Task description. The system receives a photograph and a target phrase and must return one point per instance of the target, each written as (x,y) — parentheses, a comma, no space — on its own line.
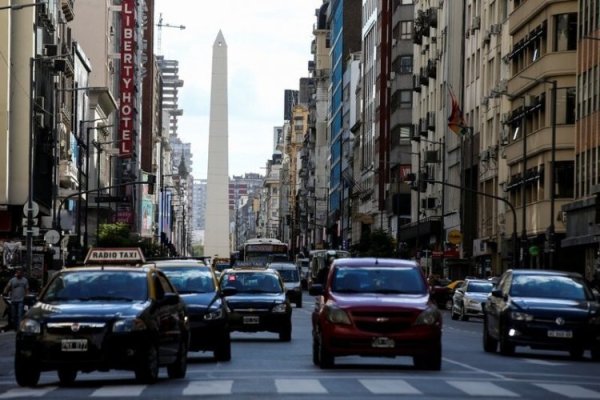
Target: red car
(376,307)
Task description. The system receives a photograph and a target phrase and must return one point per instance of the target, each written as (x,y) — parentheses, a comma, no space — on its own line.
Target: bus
(263,250)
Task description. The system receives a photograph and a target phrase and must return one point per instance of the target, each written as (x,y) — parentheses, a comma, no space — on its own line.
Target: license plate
(383,343)
(251,320)
(74,345)
(560,334)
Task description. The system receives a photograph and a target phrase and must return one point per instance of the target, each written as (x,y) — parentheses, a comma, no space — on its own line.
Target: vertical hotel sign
(126,103)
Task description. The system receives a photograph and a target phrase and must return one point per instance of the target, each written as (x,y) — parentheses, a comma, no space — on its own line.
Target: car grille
(70,327)
(383,322)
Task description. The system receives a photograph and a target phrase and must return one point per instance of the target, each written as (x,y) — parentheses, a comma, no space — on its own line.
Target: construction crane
(160,25)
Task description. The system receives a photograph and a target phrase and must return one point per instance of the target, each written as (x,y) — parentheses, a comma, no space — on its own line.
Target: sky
(268,49)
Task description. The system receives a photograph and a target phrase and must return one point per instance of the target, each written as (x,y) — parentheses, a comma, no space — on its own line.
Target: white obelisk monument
(216,236)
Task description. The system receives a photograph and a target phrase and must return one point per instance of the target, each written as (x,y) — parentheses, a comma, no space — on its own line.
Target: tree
(381,244)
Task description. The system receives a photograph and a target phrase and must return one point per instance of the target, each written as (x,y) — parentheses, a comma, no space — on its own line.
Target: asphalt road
(264,368)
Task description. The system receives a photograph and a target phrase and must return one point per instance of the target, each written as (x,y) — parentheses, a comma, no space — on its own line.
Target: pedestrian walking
(16,289)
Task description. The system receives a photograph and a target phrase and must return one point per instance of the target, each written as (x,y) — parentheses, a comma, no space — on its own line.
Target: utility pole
(160,25)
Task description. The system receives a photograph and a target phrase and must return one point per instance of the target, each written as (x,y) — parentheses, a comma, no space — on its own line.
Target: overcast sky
(268,45)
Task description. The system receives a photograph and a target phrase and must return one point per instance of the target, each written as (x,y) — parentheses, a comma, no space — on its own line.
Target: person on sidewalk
(17,288)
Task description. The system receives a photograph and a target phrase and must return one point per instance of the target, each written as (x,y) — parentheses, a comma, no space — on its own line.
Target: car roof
(112,267)
(178,263)
(374,262)
(477,280)
(283,265)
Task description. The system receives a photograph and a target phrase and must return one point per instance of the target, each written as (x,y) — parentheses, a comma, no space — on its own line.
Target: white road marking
(389,386)
(571,391)
(119,390)
(481,371)
(482,389)
(208,388)
(542,362)
(299,386)
(26,392)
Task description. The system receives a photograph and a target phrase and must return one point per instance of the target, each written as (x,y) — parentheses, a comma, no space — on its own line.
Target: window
(565,32)
(406,64)
(406,99)
(406,30)
(564,178)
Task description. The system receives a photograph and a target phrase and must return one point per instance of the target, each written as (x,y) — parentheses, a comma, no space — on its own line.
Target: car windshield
(550,287)
(97,286)
(479,287)
(390,280)
(190,279)
(289,275)
(252,282)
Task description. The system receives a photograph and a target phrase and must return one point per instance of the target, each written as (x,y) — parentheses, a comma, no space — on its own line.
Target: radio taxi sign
(117,255)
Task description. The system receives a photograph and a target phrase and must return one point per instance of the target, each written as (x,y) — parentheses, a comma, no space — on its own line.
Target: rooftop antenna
(160,25)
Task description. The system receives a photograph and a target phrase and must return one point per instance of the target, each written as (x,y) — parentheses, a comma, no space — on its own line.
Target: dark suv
(376,307)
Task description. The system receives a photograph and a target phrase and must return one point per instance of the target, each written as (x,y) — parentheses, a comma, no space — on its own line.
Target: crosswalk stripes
(570,391)
(198,388)
(305,386)
(480,389)
(389,386)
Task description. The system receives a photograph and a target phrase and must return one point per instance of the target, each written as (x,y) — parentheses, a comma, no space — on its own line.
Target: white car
(468,297)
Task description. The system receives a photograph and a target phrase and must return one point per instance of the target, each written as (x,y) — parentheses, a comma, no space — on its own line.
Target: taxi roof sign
(120,255)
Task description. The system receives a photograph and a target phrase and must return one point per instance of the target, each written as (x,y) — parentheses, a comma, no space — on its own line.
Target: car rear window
(386,280)
(252,282)
(191,280)
(480,287)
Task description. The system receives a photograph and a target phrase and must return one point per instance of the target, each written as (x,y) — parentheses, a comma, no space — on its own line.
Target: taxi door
(168,314)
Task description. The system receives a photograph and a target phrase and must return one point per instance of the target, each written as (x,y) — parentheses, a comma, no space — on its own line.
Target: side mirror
(229,291)
(170,299)
(30,300)
(316,290)
(497,293)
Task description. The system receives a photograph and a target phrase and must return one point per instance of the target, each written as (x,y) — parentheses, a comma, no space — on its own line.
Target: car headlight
(336,315)
(520,316)
(279,308)
(129,325)
(30,326)
(213,314)
(431,316)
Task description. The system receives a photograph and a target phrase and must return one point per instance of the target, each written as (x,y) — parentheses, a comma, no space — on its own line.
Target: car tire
(178,369)
(506,347)
(430,362)
(315,351)
(449,304)
(299,303)
(147,369)
(286,334)
(453,315)
(576,352)
(326,360)
(595,353)
(223,350)
(490,345)
(463,316)
(26,373)
(67,376)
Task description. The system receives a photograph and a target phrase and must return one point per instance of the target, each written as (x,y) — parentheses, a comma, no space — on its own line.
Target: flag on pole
(456,120)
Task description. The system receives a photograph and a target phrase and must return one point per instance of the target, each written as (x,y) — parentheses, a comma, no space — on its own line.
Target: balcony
(68,174)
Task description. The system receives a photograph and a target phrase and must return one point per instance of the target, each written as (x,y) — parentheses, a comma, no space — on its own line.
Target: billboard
(127,84)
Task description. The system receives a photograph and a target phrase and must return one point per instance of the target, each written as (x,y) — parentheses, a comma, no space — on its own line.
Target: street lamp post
(99,149)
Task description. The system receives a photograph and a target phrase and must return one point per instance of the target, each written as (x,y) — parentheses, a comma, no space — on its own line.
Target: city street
(264,368)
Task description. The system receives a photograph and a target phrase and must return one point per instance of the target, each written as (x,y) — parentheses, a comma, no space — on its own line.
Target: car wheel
(178,369)
(453,314)
(576,352)
(326,360)
(449,304)
(299,303)
(223,350)
(490,345)
(67,376)
(596,353)
(506,347)
(431,362)
(463,316)
(286,334)
(26,373)
(147,370)
(315,351)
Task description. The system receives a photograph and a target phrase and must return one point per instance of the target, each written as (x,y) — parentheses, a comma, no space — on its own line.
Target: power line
(160,25)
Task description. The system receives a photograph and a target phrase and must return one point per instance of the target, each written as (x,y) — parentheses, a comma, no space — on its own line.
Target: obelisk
(216,237)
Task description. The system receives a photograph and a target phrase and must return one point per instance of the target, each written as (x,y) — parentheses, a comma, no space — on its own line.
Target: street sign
(35,231)
(52,237)
(35,209)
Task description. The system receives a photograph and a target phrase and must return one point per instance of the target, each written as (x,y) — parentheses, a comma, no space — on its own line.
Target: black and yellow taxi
(107,314)
(258,302)
(208,314)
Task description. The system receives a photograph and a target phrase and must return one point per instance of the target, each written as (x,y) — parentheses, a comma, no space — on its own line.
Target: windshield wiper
(191,291)
(105,298)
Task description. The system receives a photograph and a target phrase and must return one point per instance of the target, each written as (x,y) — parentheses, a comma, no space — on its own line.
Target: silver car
(468,297)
